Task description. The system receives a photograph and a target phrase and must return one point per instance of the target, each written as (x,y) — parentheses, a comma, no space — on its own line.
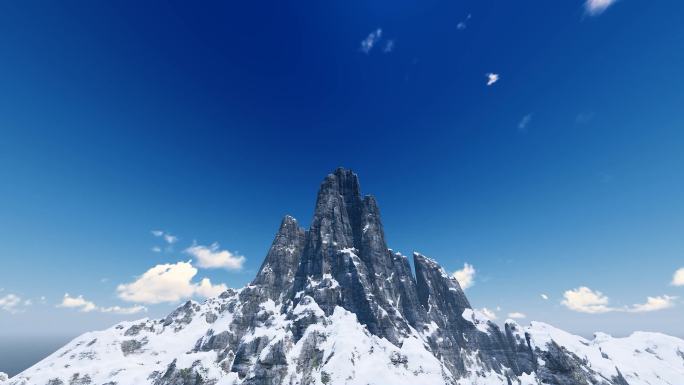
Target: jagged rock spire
(278,269)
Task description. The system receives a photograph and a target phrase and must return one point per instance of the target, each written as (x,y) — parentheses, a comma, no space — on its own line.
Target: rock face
(334,305)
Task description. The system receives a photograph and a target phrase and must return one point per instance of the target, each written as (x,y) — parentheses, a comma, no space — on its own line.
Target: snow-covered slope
(333,305)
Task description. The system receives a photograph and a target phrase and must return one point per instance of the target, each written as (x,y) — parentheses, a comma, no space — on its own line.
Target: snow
(477,318)
(350,353)
(308,306)
(99,354)
(643,358)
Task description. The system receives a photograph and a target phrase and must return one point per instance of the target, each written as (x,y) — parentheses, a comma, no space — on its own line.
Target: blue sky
(211,122)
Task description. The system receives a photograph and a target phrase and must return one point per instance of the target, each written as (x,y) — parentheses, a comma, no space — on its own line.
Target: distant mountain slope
(333,305)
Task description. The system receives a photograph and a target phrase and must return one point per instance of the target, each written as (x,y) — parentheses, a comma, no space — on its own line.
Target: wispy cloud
(524,122)
(584,117)
(11,303)
(123,310)
(465,276)
(597,7)
(586,300)
(516,315)
(678,277)
(463,24)
(371,40)
(492,78)
(544,296)
(167,237)
(488,313)
(81,304)
(389,46)
(211,256)
(168,283)
(653,304)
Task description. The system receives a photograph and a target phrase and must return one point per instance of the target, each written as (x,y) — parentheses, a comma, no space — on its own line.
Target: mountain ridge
(332,304)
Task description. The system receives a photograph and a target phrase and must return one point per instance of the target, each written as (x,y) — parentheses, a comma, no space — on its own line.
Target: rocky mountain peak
(276,273)
(334,305)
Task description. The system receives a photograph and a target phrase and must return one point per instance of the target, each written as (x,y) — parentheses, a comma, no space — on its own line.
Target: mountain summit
(334,305)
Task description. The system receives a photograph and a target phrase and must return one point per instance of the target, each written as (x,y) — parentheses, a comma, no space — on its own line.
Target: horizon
(536,158)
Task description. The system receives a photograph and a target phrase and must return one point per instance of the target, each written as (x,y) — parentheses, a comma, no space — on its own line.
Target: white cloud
(544,296)
(678,278)
(585,300)
(488,313)
(79,303)
(492,78)
(156,249)
(369,42)
(465,276)
(524,122)
(596,7)
(85,306)
(167,283)
(168,238)
(206,289)
(653,304)
(516,315)
(389,46)
(209,257)
(11,303)
(124,310)
(463,24)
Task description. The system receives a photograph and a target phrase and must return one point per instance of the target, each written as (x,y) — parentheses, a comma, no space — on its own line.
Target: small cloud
(209,257)
(157,249)
(488,313)
(544,296)
(11,303)
(371,40)
(79,303)
(524,122)
(207,290)
(389,46)
(167,283)
(124,310)
(465,276)
(585,300)
(678,278)
(584,117)
(464,23)
(168,238)
(516,315)
(85,306)
(597,7)
(492,78)
(653,304)
(104,280)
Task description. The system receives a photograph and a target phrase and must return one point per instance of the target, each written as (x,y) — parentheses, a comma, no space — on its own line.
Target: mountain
(334,305)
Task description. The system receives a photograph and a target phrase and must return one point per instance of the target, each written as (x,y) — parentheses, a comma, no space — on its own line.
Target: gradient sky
(211,122)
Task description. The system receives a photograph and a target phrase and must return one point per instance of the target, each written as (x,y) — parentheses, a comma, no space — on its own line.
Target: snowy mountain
(333,305)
